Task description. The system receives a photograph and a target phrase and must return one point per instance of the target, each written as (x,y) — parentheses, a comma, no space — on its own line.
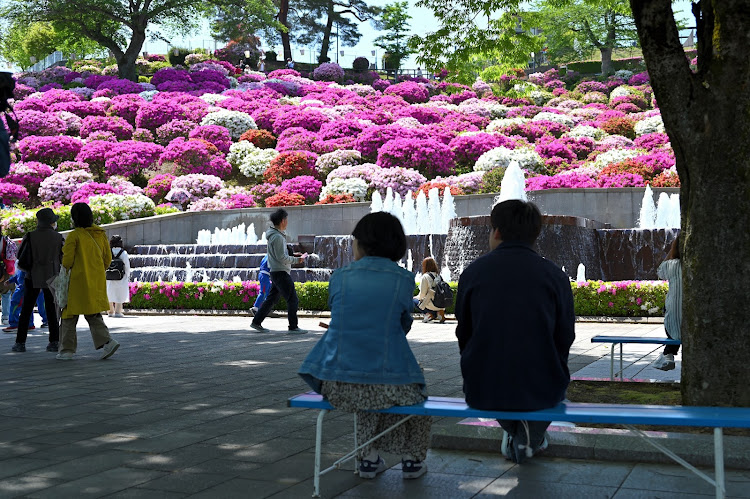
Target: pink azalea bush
(89,190)
(427,156)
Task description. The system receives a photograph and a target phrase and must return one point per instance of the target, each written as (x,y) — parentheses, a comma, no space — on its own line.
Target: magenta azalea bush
(49,150)
(195,156)
(89,190)
(427,156)
(131,158)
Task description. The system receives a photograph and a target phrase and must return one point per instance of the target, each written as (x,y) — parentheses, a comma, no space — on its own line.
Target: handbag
(59,285)
(25,257)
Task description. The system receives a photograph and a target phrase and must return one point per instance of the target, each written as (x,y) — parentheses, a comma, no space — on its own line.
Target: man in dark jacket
(45,247)
(515,326)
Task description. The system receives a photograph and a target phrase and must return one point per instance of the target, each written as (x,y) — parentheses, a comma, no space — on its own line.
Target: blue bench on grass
(619,340)
(621,414)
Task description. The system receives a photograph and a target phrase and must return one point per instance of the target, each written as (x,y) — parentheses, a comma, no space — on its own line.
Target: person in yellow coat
(86,253)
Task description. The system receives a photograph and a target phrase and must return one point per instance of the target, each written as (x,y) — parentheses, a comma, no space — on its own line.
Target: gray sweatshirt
(278,259)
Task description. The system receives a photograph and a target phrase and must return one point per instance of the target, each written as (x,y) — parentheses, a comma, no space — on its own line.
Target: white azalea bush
(342,157)
(124,207)
(587,131)
(251,161)
(236,122)
(354,186)
(554,117)
(499,124)
(527,159)
(649,125)
(615,156)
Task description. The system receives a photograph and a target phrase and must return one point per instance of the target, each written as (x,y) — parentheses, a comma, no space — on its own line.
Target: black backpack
(443,293)
(116,269)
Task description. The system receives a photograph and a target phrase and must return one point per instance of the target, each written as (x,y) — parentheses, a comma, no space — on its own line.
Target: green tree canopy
(20,42)
(118,25)
(575,28)
(394,20)
(494,29)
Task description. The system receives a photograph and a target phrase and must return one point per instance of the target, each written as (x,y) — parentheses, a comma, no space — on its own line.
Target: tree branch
(590,34)
(665,58)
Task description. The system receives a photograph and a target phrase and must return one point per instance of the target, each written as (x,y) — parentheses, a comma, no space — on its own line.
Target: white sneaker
(504,445)
(119,316)
(109,348)
(64,356)
(665,362)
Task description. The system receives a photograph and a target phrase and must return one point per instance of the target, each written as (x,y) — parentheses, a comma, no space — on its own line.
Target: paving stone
(196,406)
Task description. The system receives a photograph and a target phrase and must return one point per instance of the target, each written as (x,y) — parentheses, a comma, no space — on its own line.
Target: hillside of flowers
(203,137)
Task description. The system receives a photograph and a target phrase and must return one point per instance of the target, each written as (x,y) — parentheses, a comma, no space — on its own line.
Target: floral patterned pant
(411,439)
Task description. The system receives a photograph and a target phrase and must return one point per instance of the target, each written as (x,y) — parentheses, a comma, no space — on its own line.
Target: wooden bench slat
(723,417)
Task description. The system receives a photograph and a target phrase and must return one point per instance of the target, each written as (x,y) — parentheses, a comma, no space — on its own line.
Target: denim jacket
(371,304)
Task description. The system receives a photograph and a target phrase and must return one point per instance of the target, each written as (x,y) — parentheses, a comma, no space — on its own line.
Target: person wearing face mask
(42,251)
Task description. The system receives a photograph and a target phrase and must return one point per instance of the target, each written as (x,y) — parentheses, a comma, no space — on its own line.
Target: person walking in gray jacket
(281,266)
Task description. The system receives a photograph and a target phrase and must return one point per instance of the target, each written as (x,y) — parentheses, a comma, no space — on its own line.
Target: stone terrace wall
(618,207)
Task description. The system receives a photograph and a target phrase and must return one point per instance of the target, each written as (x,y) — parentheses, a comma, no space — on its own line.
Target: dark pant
(671,349)
(516,430)
(282,285)
(27,309)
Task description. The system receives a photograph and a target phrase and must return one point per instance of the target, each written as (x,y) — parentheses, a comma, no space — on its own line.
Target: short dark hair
(278,216)
(381,234)
(82,215)
(115,241)
(517,221)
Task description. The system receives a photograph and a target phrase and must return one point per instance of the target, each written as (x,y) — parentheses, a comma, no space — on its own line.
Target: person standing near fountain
(423,301)
(363,361)
(671,270)
(280,264)
(118,279)
(516,323)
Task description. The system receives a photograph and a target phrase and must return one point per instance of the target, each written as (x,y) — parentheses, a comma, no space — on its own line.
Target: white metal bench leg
(621,374)
(356,461)
(719,462)
(318,443)
(612,362)
(717,481)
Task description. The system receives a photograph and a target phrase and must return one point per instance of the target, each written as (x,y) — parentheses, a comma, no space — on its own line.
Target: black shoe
(18,347)
(259,328)
(53,346)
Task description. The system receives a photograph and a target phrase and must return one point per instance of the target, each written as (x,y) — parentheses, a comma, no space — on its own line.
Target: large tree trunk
(284,20)
(326,43)
(126,60)
(707,117)
(606,60)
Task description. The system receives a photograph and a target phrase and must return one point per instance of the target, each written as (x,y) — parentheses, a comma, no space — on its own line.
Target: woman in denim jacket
(363,361)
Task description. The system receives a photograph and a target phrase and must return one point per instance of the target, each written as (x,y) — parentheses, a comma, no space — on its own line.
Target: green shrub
(619,298)
(492,179)
(177,59)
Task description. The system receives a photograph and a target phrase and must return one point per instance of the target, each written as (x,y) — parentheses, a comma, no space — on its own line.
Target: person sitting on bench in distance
(363,360)
(671,270)
(516,323)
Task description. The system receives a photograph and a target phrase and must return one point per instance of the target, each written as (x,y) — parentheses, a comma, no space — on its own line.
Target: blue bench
(622,414)
(619,340)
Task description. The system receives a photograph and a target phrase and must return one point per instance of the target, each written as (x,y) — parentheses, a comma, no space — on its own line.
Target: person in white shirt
(118,290)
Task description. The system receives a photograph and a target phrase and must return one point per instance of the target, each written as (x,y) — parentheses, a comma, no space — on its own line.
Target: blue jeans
(6,305)
(423,310)
(16,303)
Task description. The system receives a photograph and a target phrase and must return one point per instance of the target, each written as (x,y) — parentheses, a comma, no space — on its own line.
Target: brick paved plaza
(196,407)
